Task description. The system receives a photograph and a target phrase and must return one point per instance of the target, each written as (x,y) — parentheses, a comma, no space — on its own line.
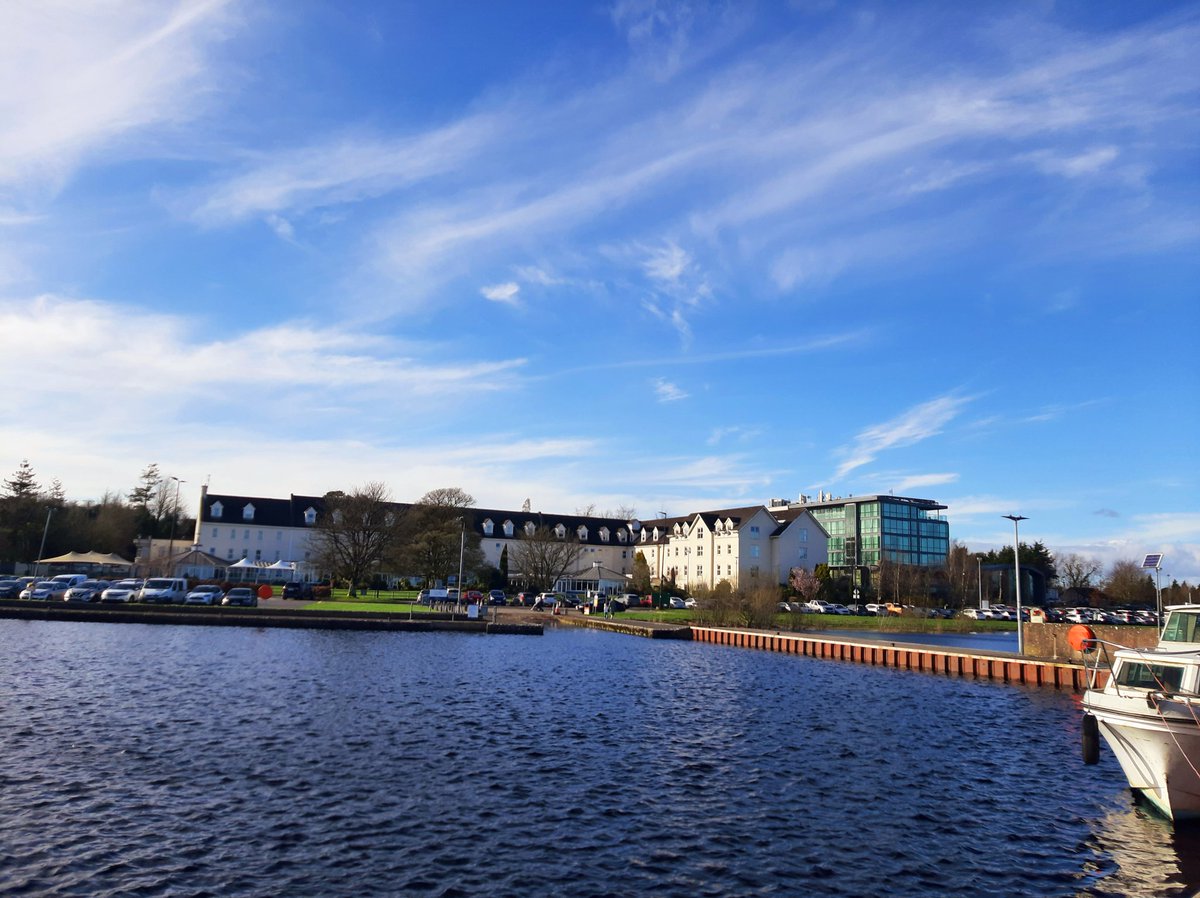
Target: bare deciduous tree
(543,558)
(356,532)
(1077,571)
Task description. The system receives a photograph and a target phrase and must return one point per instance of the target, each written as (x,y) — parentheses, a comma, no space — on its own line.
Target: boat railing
(1104,661)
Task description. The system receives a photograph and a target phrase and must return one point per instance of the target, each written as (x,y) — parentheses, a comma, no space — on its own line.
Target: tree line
(39,521)
(363,533)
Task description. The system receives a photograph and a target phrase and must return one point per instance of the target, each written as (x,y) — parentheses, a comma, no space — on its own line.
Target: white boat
(1148,711)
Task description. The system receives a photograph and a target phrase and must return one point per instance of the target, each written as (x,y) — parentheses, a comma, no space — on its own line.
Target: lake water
(154,760)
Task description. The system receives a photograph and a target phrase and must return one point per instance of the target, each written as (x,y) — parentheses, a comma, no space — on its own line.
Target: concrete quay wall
(223,616)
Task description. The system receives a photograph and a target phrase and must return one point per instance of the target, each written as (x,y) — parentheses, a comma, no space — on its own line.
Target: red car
(472,597)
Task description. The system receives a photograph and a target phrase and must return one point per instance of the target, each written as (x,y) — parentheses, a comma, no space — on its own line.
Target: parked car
(679,603)
(472,597)
(122,591)
(70,579)
(297,591)
(241,595)
(497,597)
(164,590)
(204,594)
(45,591)
(10,588)
(87,591)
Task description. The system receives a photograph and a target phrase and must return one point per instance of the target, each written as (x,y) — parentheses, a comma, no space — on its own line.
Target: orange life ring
(1081,638)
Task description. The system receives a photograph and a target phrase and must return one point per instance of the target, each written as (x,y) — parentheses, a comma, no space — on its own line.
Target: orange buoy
(1081,638)
(265,591)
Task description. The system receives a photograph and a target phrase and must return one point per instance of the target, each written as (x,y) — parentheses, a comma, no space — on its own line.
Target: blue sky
(667,256)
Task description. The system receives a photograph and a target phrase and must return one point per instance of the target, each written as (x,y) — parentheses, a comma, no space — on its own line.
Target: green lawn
(371,605)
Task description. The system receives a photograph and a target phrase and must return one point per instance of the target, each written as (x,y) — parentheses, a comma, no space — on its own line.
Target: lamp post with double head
(1016,518)
(174,518)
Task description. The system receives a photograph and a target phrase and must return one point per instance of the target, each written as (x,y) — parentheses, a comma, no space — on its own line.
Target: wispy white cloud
(912,426)
(667,391)
(924,481)
(156,364)
(345,169)
(76,78)
(503,293)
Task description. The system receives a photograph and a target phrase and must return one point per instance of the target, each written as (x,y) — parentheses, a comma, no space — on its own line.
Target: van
(69,579)
(164,590)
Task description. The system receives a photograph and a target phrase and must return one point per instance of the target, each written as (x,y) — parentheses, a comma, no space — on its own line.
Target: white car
(122,591)
(689,602)
(204,594)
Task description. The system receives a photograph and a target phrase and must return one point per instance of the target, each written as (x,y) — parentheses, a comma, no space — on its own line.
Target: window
(260,536)
(310,515)
(229,554)
(530,528)
(603,534)
(803,553)
(754,530)
(802,534)
(217,509)
(248,512)
(1181,627)
(699,570)
(1160,677)
(582,533)
(700,550)
(508,528)
(754,551)
(560,531)
(487,527)
(621,536)
(216,533)
(246,535)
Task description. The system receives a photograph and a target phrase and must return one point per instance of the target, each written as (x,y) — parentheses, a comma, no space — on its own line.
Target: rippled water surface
(143,760)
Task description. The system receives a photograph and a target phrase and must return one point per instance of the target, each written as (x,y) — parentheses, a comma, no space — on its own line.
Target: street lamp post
(979,578)
(462,547)
(1016,518)
(42,548)
(174,517)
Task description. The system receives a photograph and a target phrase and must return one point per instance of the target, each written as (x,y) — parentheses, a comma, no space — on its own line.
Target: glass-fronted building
(865,530)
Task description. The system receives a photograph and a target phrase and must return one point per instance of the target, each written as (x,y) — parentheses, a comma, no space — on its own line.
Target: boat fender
(1090,738)
(1081,638)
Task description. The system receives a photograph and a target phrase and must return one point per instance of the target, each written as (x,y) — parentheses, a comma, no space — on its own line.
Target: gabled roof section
(267,512)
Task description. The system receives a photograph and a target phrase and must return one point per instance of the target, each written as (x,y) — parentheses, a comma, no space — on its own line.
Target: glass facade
(905,531)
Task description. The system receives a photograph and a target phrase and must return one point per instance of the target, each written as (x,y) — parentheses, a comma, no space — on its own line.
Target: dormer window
(560,531)
(217,509)
(508,528)
(582,533)
(488,527)
(678,529)
(643,536)
(310,515)
(622,536)
(656,534)
(604,534)
(248,512)
(530,528)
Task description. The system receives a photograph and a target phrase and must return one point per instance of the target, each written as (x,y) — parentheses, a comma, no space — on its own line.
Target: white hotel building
(747,545)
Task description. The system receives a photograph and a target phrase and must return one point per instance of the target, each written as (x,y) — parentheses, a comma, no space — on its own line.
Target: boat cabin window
(1160,677)
(1182,627)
